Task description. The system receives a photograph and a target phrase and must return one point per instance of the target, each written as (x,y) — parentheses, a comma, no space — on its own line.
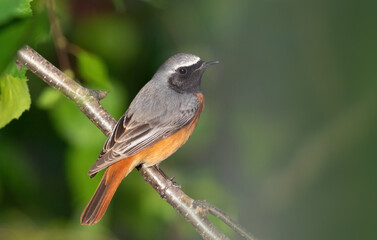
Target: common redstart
(157,123)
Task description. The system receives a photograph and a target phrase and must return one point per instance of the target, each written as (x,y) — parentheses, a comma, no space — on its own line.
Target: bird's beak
(207,64)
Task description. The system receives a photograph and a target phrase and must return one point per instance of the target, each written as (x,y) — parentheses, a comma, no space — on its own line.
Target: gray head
(183,72)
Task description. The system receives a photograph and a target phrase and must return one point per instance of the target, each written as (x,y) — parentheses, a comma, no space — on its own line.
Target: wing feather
(131,136)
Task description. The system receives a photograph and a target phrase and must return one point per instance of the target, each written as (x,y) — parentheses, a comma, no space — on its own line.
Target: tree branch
(210,209)
(88,101)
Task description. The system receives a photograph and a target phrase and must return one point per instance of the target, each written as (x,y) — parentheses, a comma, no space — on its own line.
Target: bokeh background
(286,143)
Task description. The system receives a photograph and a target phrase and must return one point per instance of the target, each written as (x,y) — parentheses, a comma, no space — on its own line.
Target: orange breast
(166,147)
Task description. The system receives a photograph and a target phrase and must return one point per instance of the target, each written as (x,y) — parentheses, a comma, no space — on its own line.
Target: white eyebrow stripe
(191,61)
(186,61)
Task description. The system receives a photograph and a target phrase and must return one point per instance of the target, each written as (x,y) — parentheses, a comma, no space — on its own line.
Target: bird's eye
(182,70)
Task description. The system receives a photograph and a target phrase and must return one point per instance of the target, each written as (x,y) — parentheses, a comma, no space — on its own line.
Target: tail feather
(101,199)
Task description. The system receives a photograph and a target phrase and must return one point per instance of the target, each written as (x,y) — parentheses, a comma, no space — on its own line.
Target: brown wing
(131,136)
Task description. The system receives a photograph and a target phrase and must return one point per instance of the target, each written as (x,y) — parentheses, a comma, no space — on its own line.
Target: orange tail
(113,176)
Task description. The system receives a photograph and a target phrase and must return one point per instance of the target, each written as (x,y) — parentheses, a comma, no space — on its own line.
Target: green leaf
(14,8)
(11,39)
(14,95)
(48,98)
(93,70)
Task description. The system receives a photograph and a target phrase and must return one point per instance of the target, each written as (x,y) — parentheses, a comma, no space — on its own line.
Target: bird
(159,120)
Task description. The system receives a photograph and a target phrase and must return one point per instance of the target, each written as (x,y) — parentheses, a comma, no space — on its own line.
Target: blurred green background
(286,143)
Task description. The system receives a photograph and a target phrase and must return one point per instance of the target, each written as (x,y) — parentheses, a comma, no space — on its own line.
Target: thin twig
(88,102)
(84,98)
(210,209)
(182,203)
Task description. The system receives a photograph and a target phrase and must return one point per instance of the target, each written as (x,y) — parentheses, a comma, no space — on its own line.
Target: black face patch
(187,79)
